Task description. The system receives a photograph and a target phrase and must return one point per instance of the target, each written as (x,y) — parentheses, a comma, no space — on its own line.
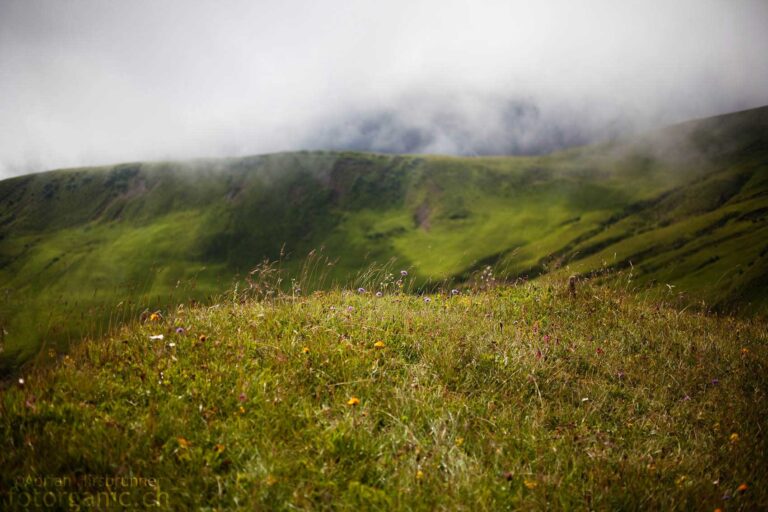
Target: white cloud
(93,81)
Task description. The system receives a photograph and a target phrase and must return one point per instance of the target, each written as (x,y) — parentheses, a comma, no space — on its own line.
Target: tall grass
(508,396)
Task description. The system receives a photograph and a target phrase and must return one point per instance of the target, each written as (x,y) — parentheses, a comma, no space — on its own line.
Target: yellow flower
(530,484)
(379,344)
(459,441)
(218,448)
(353,401)
(742,488)
(744,351)
(242,410)
(154,317)
(734,438)
(305,350)
(419,475)
(183,443)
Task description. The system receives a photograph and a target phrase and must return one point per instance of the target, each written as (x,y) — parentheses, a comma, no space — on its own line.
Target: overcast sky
(86,82)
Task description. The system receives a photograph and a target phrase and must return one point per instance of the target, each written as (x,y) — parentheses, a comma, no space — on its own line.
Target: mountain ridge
(684,206)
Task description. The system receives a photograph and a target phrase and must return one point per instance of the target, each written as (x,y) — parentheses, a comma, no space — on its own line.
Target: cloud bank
(87,82)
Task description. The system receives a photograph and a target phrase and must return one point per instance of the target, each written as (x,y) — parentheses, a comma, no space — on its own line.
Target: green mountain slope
(686,206)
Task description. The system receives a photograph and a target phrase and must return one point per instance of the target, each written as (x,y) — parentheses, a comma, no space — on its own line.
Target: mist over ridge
(89,82)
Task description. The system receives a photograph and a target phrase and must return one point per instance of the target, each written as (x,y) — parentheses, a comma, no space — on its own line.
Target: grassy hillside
(511,398)
(83,249)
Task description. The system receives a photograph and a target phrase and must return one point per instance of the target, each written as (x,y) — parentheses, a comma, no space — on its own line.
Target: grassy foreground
(517,397)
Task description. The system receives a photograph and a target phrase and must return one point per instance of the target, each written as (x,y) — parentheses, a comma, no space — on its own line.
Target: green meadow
(345,331)
(501,397)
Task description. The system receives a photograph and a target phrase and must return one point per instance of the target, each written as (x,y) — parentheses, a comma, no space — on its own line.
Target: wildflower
(353,401)
(379,294)
(202,337)
(530,484)
(218,447)
(154,317)
(379,344)
(156,337)
(21,382)
(744,351)
(459,441)
(305,350)
(403,273)
(180,330)
(427,300)
(546,338)
(171,345)
(332,308)
(242,410)
(350,308)
(714,382)
(242,397)
(419,475)
(183,443)
(599,351)
(361,290)
(686,398)
(742,488)
(734,438)
(455,292)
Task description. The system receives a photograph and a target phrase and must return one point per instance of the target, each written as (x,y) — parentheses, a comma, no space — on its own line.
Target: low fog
(88,82)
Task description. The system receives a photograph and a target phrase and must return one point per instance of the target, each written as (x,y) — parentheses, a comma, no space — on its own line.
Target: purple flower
(179,330)
(403,273)
(350,308)
(361,290)
(379,294)
(455,292)
(427,299)
(715,382)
